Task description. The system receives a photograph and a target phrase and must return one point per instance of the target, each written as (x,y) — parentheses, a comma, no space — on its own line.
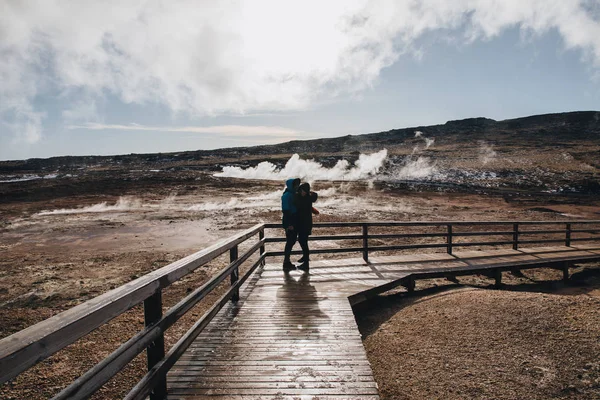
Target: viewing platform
(276,335)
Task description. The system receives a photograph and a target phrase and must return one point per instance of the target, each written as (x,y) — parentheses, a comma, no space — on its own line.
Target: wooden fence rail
(28,347)
(449,237)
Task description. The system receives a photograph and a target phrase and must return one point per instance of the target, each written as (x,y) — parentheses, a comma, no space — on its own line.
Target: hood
(289,184)
(305,186)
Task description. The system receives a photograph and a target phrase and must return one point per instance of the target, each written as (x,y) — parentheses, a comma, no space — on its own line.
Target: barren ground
(533,340)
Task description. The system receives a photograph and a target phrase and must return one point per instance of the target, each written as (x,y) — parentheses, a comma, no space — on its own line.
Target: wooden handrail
(434,223)
(515,235)
(26,348)
(102,372)
(145,386)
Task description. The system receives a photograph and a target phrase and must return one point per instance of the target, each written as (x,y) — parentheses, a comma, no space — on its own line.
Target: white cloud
(199,58)
(224,130)
(81,110)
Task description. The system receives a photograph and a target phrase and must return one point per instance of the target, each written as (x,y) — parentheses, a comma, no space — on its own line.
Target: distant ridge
(552,129)
(571,126)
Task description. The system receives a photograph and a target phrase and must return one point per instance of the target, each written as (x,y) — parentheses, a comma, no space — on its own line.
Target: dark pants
(303,240)
(290,240)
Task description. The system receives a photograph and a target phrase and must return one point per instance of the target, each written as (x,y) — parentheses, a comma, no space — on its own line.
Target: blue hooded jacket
(287,204)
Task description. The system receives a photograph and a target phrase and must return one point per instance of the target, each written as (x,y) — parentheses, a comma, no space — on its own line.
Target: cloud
(81,110)
(240,57)
(224,130)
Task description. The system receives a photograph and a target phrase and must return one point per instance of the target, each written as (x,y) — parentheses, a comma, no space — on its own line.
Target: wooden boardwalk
(293,336)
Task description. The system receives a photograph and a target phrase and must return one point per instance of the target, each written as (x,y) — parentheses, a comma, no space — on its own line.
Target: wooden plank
(202,370)
(322,377)
(277,397)
(146,385)
(290,337)
(288,384)
(227,392)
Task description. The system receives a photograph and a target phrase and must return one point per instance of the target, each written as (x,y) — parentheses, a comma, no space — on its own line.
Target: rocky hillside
(552,153)
(559,130)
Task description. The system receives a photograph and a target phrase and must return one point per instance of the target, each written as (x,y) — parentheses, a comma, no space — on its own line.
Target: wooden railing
(28,347)
(447,234)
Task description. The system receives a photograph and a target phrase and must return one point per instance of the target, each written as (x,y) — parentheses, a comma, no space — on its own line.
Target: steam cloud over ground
(367,166)
(378,166)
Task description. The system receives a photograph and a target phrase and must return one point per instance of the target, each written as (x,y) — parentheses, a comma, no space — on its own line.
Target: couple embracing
(296,204)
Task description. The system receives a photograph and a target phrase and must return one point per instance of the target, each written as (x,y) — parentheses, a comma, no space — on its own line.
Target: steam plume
(123,204)
(420,168)
(486,153)
(367,165)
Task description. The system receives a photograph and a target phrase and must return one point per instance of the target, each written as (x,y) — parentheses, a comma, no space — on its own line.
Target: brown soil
(527,341)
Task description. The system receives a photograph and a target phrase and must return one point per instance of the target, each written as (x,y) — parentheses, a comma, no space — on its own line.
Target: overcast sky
(116,77)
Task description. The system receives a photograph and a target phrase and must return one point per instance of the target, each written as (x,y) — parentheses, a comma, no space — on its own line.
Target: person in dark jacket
(304,204)
(289,210)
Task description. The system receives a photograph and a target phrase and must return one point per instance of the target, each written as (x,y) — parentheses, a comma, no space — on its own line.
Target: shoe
(288,266)
(303,267)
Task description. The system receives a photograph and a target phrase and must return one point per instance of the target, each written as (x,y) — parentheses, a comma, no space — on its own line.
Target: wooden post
(410,285)
(565,270)
(515,236)
(449,239)
(235,274)
(261,236)
(497,278)
(568,236)
(365,235)
(155,352)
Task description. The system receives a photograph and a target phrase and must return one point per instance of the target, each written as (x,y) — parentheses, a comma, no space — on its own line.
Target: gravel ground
(529,341)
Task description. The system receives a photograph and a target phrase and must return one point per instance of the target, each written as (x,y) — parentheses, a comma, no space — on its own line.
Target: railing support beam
(155,352)
(449,239)
(497,278)
(365,238)
(235,274)
(410,284)
(261,236)
(565,270)
(515,236)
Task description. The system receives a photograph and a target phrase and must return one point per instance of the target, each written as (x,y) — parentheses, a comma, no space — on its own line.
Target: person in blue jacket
(304,221)
(289,210)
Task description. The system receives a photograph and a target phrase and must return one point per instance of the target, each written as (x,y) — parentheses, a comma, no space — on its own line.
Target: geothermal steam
(366,167)
(486,152)
(124,204)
